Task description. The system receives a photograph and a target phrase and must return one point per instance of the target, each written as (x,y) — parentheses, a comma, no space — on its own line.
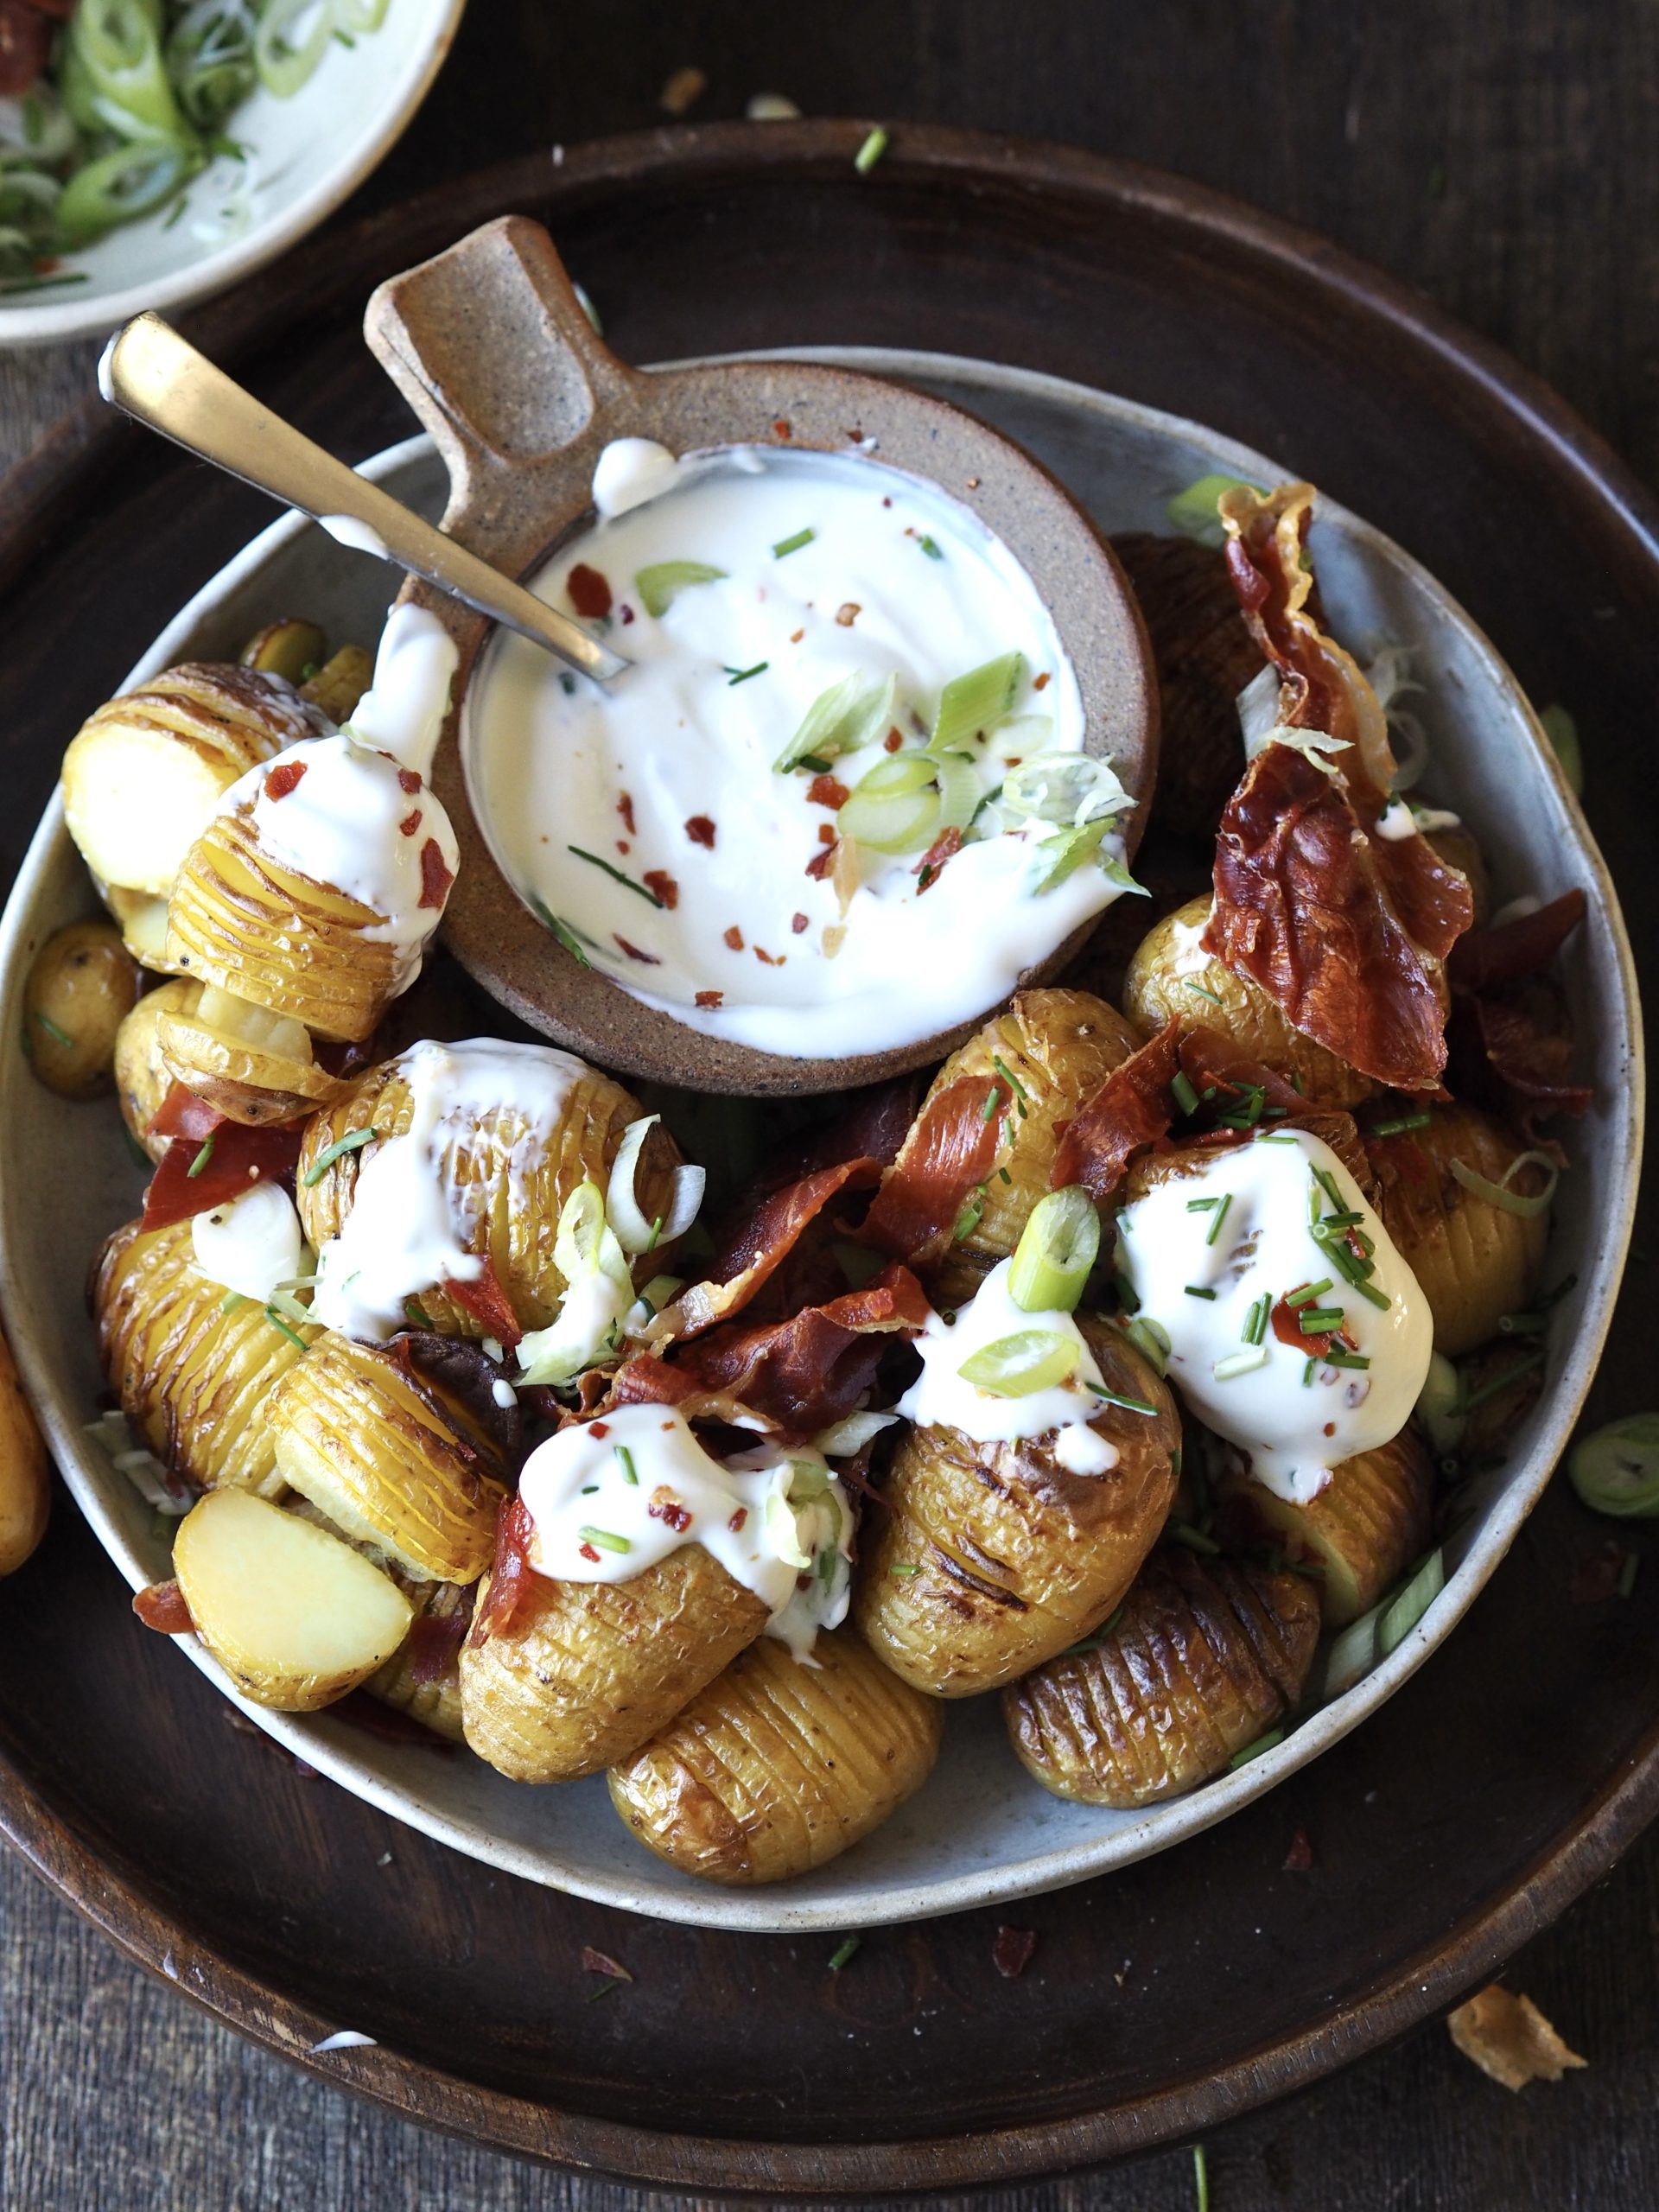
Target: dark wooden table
(1504,156)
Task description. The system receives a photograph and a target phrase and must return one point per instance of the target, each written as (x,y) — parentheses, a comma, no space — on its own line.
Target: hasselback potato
(144,1074)
(780,1764)
(1170,975)
(81,985)
(247,1063)
(990,1558)
(395,1460)
(1204,1657)
(193,1380)
(1474,1260)
(589,1671)
(422,1676)
(1362,1531)
(509,1167)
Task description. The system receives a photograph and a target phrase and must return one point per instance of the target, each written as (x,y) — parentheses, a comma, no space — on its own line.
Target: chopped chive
(843,1951)
(1255,1321)
(1092,1642)
(816,762)
(1116,1398)
(277,1322)
(1181,1089)
(1521,1324)
(930,548)
(1551,1298)
(1628,1572)
(416,1313)
(563,931)
(1368,1290)
(655,1231)
(590,1489)
(42,283)
(1495,1383)
(202,1157)
(607,1988)
(1254,1751)
(638,889)
(1202,1205)
(743,675)
(1220,1216)
(1202,990)
(607,1538)
(58,1036)
(1316,1318)
(1326,1182)
(871,151)
(1007,1073)
(232,1299)
(1275,1136)
(1307,1291)
(325,1159)
(625,1460)
(661,584)
(1194,1539)
(1307,1372)
(968,1220)
(788,545)
(1398,1126)
(1346,1359)
(990,1103)
(1005,1176)
(905,1567)
(1198,1290)
(1200,2177)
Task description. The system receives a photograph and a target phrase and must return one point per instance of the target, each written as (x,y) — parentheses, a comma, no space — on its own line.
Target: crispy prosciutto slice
(951,1148)
(511,1576)
(240,1157)
(759,1248)
(1346,930)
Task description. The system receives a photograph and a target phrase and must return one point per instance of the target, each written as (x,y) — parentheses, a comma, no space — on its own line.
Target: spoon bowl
(493,350)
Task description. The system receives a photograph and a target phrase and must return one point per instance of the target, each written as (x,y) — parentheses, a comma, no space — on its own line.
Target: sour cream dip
(793,620)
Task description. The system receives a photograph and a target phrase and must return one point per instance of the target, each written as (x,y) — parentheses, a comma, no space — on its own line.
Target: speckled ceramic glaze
(492,349)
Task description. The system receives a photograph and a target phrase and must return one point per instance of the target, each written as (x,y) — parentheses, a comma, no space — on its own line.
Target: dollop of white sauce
(940,1397)
(412,1212)
(250,1243)
(611,1498)
(555,762)
(1295,1420)
(360,537)
(403,710)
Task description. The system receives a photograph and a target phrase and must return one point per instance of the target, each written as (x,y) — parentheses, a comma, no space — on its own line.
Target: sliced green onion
(285,65)
(1064,853)
(1616,1470)
(1263,1742)
(120,186)
(1056,1253)
(231,1301)
(617,875)
(1239,1363)
(1499,1193)
(1151,1340)
(843,1951)
(1028,1361)
(871,151)
(973,705)
(1182,1091)
(894,807)
(931,546)
(1352,1655)
(202,1158)
(844,718)
(661,584)
(605,1538)
(114,77)
(785,546)
(1193,511)
(1406,1609)
(959,790)
(1439,1405)
(1563,735)
(325,1159)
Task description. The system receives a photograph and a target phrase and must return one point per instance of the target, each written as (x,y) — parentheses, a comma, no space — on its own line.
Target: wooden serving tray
(1490,1791)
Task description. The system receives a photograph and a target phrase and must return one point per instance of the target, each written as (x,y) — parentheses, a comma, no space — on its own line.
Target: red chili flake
(598,1428)
(795,637)
(1595,1578)
(1040,683)
(436,875)
(711,998)
(659,881)
(826,833)
(828,790)
(409,781)
(283,777)
(798,924)
(1330,1428)
(650,959)
(1287,1327)
(821,862)
(932,864)
(782,429)
(772,959)
(625,808)
(847,612)
(624,847)
(1300,1857)
(733,938)
(588,1553)
(627,615)
(411,824)
(590,592)
(1012,1952)
(738,1519)
(700,830)
(667,1509)
(894,740)
(162,1607)
(887,503)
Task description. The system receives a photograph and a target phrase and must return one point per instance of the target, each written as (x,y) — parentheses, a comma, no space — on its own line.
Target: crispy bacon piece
(590,592)
(482,1296)
(951,1148)
(435,1643)
(932,864)
(436,875)
(1529,1065)
(511,1576)
(1133,1107)
(1521,948)
(284,778)
(161,1606)
(241,1157)
(764,1242)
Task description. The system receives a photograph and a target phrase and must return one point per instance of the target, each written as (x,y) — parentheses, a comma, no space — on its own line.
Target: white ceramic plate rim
(94,313)
(328,1747)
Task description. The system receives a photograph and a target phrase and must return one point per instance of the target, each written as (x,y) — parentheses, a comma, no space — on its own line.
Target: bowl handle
(492,347)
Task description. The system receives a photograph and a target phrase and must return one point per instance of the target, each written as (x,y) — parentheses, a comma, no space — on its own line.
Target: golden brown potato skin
(192,1380)
(81,985)
(244,1072)
(287,648)
(144,1074)
(1169,975)
(433,1699)
(1015,1557)
(25,1472)
(776,1768)
(512,1209)
(390,1458)
(1364,1528)
(1474,1260)
(340,682)
(1205,1655)
(594,1669)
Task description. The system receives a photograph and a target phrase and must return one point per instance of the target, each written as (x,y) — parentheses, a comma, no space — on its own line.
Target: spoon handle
(153,374)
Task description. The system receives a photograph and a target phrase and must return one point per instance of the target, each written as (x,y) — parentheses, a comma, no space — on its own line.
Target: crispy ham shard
(759,1248)
(1347,931)
(511,1575)
(951,1150)
(242,1155)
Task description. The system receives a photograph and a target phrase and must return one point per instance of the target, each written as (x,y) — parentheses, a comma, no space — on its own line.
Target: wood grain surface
(1504,156)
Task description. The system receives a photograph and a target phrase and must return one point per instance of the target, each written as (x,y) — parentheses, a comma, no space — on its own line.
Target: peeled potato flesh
(508,1189)
(1474,1260)
(295,1617)
(594,1669)
(144,775)
(25,1472)
(1170,975)
(393,1462)
(193,1380)
(80,985)
(1205,1656)
(1362,1531)
(989,1557)
(250,1064)
(778,1766)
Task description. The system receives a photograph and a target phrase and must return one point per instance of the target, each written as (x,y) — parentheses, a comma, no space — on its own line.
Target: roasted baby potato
(990,1558)
(144,775)
(25,1472)
(780,1764)
(1171,975)
(393,1460)
(592,1670)
(1474,1260)
(509,1187)
(144,1074)
(1203,1658)
(192,1379)
(291,649)
(81,985)
(295,1617)
(247,1063)
(422,1676)
(1362,1531)
(340,682)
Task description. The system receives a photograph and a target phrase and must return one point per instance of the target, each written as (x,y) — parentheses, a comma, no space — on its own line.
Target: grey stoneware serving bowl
(979,1832)
(492,349)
